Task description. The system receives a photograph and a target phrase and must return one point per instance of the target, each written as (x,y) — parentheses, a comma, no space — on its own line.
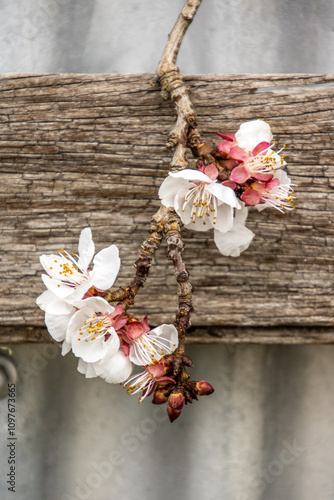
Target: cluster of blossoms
(246,172)
(107,342)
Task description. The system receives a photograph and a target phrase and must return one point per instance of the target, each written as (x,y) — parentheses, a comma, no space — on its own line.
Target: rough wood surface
(79,150)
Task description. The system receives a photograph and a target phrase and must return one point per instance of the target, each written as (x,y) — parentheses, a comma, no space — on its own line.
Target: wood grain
(89,150)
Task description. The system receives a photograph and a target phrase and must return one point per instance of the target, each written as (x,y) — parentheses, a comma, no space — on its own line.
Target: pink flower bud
(173,414)
(176,400)
(203,388)
(159,398)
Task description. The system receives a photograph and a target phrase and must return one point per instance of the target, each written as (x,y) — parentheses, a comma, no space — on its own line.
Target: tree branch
(172,85)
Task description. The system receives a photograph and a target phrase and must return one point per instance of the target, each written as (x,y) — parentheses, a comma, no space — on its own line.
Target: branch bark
(172,85)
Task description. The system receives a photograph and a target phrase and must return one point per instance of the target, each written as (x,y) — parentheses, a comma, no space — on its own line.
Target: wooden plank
(89,150)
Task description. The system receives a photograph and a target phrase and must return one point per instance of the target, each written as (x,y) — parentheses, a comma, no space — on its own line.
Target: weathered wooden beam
(79,150)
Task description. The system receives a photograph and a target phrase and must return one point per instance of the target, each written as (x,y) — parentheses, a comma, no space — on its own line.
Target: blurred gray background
(267,433)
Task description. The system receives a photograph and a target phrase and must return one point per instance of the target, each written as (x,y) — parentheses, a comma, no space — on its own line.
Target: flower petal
(233,242)
(251,133)
(227,137)
(238,153)
(94,350)
(86,248)
(50,303)
(57,325)
(87,369)
(190,175)
(154,345)
(106,267)
(168,190)
(114,368)
(56,286)
(240,174)
(251,196)
(224,194)
(65,348)
(211,171)
(262,146)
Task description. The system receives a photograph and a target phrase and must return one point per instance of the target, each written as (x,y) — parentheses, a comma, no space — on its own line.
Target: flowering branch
(172,85)
(241,171)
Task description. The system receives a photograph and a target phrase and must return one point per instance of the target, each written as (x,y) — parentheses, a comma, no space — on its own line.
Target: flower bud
(176,400)
(172,413)
(159,398)
(203,388)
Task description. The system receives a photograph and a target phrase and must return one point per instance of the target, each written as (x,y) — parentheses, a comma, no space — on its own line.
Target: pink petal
(262,146)
(145,324)
(211,171)
(126,349)
(240,174)
(263,177)
(156,370)
(272,183)
(225,146)
(201,167)
(230,164)
(119,322)
(227,137)
(238,153)
(135,330)
(251,197)
(229,184)
(118,310)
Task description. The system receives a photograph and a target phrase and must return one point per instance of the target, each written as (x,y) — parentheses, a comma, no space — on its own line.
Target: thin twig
(126,295)
(175,247)
(172,85)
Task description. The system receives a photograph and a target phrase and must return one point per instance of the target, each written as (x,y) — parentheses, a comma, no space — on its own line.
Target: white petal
(94,350)
(224,193)
(240,216)
(87,369)
(56,286)
(235,241)
(94,305)
(283,177)
(65,348)
(106,267)
(53,264)
(198,225)
(79,291)
(57,325)
(224,221)
(168,190)
(191,175)
(86,248)
(154,345)
(50,303)
(251,133)
(114,368)
(168,332)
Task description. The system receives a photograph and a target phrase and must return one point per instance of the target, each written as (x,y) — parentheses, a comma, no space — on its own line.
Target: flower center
(141,382)
(150,348)
(265,164)
(280,197)
(204,204)
(71,274)
(94,327)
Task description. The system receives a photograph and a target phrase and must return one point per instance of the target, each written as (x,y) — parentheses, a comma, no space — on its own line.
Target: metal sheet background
(267,432)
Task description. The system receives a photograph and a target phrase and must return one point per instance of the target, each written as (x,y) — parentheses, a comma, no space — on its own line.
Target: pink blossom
(277,193)
(148,380)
